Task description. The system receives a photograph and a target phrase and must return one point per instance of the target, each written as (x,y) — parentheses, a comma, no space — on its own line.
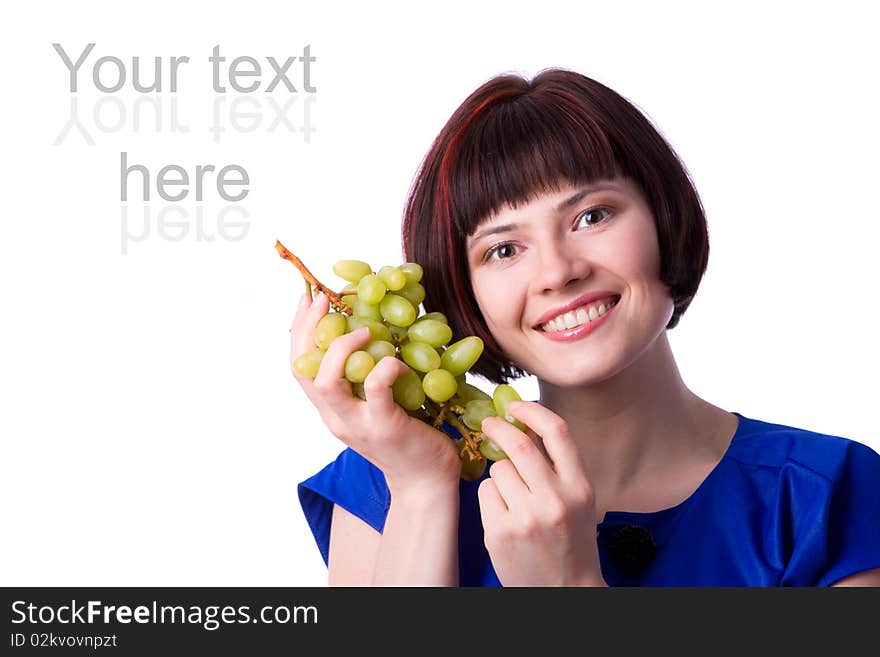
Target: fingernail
(513,405)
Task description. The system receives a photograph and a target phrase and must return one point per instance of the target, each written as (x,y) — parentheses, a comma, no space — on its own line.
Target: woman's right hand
(411,454)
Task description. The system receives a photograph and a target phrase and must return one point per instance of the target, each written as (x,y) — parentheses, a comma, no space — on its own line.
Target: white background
(152,432)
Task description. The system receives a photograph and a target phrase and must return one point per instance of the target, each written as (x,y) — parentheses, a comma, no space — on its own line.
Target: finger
(555,436)
(377,386)
(330,391)
(302,339)
(539,442)
(302,331)
(330,379)
(530,463)
(491,503)
(510,485)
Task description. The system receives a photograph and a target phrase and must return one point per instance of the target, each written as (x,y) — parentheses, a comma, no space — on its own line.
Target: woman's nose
(558,267)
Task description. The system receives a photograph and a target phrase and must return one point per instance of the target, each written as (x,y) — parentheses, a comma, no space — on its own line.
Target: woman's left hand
(539,516)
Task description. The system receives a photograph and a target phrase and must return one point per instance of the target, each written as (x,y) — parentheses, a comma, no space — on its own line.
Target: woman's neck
(646,440)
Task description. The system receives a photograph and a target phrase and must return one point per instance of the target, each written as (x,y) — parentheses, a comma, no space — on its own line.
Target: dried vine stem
(472,440)
(311,281)
(447,413)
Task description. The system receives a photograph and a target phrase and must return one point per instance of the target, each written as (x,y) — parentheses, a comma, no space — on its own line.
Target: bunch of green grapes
(433,389)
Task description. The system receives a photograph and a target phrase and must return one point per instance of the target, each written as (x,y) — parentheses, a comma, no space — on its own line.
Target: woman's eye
(501,251)
(592,217)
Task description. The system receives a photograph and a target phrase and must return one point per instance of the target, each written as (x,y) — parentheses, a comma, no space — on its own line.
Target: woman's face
(541,271)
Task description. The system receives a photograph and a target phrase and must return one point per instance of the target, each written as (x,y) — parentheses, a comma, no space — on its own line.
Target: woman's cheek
(493,308)
(501,294)
(507,299)
(485,285)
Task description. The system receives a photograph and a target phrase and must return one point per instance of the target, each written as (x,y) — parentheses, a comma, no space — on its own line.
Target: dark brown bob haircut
(512,139)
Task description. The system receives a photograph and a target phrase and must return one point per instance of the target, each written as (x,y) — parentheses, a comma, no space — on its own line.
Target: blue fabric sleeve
(353,483)
(838,533)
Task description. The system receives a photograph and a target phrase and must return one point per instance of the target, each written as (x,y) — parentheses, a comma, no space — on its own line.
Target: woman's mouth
(578,322)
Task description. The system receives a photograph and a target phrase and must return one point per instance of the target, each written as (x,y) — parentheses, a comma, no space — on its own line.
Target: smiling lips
(575,324)
(579,316)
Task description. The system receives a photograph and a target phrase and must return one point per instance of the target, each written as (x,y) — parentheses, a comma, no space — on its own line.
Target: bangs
(519,149)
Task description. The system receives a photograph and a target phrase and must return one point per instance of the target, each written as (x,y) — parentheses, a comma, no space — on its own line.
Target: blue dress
(783,507)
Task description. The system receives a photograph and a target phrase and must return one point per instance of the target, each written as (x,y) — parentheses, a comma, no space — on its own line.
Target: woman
(553,221)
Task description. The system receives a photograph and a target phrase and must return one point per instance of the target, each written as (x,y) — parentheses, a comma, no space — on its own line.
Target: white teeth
(577,317)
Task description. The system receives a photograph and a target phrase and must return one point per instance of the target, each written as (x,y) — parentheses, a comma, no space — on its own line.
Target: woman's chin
(567,378)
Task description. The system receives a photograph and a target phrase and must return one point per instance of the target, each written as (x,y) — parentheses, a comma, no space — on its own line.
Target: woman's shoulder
(350,475)
(766,444)
(819,493)
(351,482)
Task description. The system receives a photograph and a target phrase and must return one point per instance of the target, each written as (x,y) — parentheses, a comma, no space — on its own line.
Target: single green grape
(308,363)
(351,270)
(412,292)
(461,356)
(378,349)
(468,392)
(476,411)
(371,289)
(358,365)
(430,331)
(329,327)
(491,451)
(393,277)
(378,331)
(420,356)
(397,310)
(439,385)
(407,391)
(363,309)
(413,271)
(501,397)
(440,317)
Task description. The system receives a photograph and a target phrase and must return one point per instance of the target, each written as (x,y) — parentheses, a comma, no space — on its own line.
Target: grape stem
(437,412)
(448,413)
(311,281)
(455,408)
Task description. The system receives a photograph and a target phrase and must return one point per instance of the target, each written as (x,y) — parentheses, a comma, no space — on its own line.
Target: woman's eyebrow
(564,205)
(491,230)
(586,191)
